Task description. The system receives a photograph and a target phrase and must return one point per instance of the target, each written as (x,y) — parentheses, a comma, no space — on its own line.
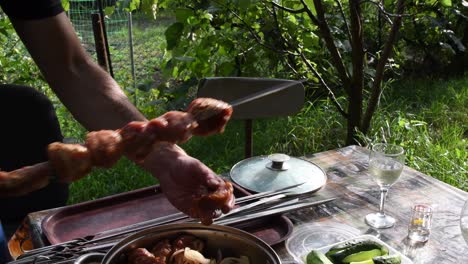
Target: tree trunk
(356,89)
(354,114)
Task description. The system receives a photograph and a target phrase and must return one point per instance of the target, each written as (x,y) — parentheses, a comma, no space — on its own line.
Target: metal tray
(140,205)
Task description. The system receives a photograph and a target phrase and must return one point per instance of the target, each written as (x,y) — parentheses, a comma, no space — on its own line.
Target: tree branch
(289,10)
(331,94)
(376,86)
(324,28)
(343,16)
(382,9)
(285,43)
(257,38)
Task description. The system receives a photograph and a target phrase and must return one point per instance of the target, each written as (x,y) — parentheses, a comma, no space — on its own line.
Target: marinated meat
(189,241)
(70,161)
(173,126)
(211,200)
(212,115)
(105,147)
(184,249)
(136,143)
(142,256)
(163,250)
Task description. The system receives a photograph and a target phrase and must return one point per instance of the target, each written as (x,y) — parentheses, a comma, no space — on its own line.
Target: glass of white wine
(386,162)
(464,221)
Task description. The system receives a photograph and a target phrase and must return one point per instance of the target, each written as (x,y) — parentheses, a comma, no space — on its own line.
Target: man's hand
(185,179)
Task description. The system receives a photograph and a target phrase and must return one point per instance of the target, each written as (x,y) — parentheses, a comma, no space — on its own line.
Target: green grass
(430,118)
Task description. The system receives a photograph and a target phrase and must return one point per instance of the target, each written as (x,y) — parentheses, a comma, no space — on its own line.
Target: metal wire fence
(80,12)
(135,55)
(117,30)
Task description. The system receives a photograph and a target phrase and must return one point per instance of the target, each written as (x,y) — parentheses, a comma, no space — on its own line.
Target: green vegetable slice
(362,256)
(317,257)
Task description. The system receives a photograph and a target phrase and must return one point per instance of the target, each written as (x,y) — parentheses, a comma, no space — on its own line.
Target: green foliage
(434,38)
(149,7)
(66,4)
(173,35)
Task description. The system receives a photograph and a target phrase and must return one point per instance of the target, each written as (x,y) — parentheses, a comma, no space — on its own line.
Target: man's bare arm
(90,94)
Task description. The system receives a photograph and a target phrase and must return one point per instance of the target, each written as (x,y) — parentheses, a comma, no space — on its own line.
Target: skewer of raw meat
(204,116)
(104,148)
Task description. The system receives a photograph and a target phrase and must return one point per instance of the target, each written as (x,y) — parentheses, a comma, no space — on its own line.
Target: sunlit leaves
(109,10)
(310,4)
(446,3)
(149,7)
(66,4)
(310,40)
(128,5)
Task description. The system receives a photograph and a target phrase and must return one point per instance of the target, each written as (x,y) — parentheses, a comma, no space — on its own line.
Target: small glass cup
(419,227)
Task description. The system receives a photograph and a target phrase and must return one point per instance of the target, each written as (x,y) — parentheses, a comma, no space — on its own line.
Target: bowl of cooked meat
(188,244)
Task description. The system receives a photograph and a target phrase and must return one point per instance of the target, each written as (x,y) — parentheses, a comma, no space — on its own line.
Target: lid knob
(278,162)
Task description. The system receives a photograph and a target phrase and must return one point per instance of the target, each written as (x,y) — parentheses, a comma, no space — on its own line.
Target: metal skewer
(269,91)
(277,210)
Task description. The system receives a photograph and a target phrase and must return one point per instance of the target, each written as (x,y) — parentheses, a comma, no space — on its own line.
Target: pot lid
(277,171)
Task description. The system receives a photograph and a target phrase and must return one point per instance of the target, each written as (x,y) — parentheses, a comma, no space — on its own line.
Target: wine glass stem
(383,195)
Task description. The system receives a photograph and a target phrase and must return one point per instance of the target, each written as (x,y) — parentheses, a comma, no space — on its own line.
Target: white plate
(404,259)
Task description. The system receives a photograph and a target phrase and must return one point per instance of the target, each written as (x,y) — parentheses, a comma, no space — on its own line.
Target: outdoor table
(346,169)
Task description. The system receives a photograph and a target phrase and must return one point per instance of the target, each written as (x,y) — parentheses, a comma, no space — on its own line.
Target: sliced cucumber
(357,248)
(317,257)
(362,256)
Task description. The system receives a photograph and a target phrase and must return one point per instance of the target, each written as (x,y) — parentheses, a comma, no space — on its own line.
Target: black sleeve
(31,9)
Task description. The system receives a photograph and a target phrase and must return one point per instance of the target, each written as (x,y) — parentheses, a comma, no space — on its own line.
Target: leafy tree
(16,66)
(320,40)
(341,47)
(434,38)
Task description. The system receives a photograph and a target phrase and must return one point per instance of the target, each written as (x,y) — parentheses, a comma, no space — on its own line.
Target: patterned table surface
(343,218)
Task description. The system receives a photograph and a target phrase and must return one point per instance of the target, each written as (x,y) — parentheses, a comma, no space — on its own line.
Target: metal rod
(269,91)
(279,210)
(132,61)
(268,193)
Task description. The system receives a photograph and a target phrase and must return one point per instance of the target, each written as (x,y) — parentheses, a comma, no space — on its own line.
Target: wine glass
(386,161)
(464,221)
